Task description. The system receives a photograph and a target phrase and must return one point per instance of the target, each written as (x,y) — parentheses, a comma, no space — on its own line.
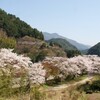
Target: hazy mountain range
(80,46)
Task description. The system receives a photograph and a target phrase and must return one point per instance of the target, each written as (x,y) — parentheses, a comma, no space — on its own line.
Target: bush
(37,56)
(36,94)
(41,56)
(7,43)
(91,87)
(72,53)
(95,86)
(5,87)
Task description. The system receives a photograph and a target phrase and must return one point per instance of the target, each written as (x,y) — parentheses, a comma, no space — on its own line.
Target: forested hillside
(95,50)
(17,28)
(67,47)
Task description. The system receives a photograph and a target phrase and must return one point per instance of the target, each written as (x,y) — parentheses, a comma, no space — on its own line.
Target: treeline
(17,28)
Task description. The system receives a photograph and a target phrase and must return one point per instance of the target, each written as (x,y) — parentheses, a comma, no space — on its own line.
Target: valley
(37,65)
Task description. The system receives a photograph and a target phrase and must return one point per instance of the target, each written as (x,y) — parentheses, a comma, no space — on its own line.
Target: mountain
(62,43)
(14,27)
(95,50)
(70,50)
(48,36)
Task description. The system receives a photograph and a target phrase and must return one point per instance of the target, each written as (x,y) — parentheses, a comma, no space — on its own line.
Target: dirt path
(68,85)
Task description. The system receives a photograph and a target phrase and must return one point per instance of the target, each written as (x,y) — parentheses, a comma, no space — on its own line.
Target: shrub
(72,53)
(36,94)
(91,87)
(7,43)
(95,86)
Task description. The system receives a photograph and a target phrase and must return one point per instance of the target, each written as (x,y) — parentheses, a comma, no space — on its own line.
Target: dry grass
(94,96)
(20,97)
(63,94)
(48,93)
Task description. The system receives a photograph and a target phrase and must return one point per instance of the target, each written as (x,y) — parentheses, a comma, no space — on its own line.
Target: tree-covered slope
(37,49)
(67,47)
(62,43)
(17,28)
(95,50)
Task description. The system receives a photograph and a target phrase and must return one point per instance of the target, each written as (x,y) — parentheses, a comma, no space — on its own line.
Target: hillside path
(64,86)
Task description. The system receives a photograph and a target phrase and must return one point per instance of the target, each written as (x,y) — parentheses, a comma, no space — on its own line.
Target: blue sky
(75,19)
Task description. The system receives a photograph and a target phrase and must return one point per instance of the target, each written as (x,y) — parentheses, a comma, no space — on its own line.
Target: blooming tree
(8,59)
(86,64)
(57,66)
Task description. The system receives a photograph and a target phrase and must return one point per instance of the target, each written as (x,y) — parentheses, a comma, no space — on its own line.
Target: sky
(75,19)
